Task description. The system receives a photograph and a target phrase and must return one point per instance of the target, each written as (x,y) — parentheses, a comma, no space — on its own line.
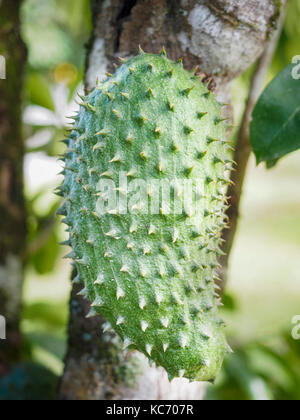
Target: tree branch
(243,147)
(222,37)
(12,207)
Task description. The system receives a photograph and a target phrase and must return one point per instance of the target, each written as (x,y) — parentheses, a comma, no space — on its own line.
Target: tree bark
(12,207)
(222,37)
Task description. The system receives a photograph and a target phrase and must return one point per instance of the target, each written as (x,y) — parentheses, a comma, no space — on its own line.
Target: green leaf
(275,128)
(44,259)
(54,317)
(229,302)
(38,91)
(271,163)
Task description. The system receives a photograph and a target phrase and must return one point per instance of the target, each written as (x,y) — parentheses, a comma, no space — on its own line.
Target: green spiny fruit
(152,276)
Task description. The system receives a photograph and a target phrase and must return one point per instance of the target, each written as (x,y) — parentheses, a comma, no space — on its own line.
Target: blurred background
(263,294)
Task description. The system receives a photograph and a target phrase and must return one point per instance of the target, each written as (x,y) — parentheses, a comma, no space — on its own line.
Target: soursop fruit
(148,264)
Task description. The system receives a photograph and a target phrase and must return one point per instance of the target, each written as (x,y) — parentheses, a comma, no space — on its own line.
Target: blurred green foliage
(261,372)
(55,32)
(29,382)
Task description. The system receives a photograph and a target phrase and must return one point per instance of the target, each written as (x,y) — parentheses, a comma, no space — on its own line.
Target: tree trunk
(222,37)
(12,207)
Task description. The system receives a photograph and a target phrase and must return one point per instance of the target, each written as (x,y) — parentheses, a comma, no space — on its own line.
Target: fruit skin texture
(152,276)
